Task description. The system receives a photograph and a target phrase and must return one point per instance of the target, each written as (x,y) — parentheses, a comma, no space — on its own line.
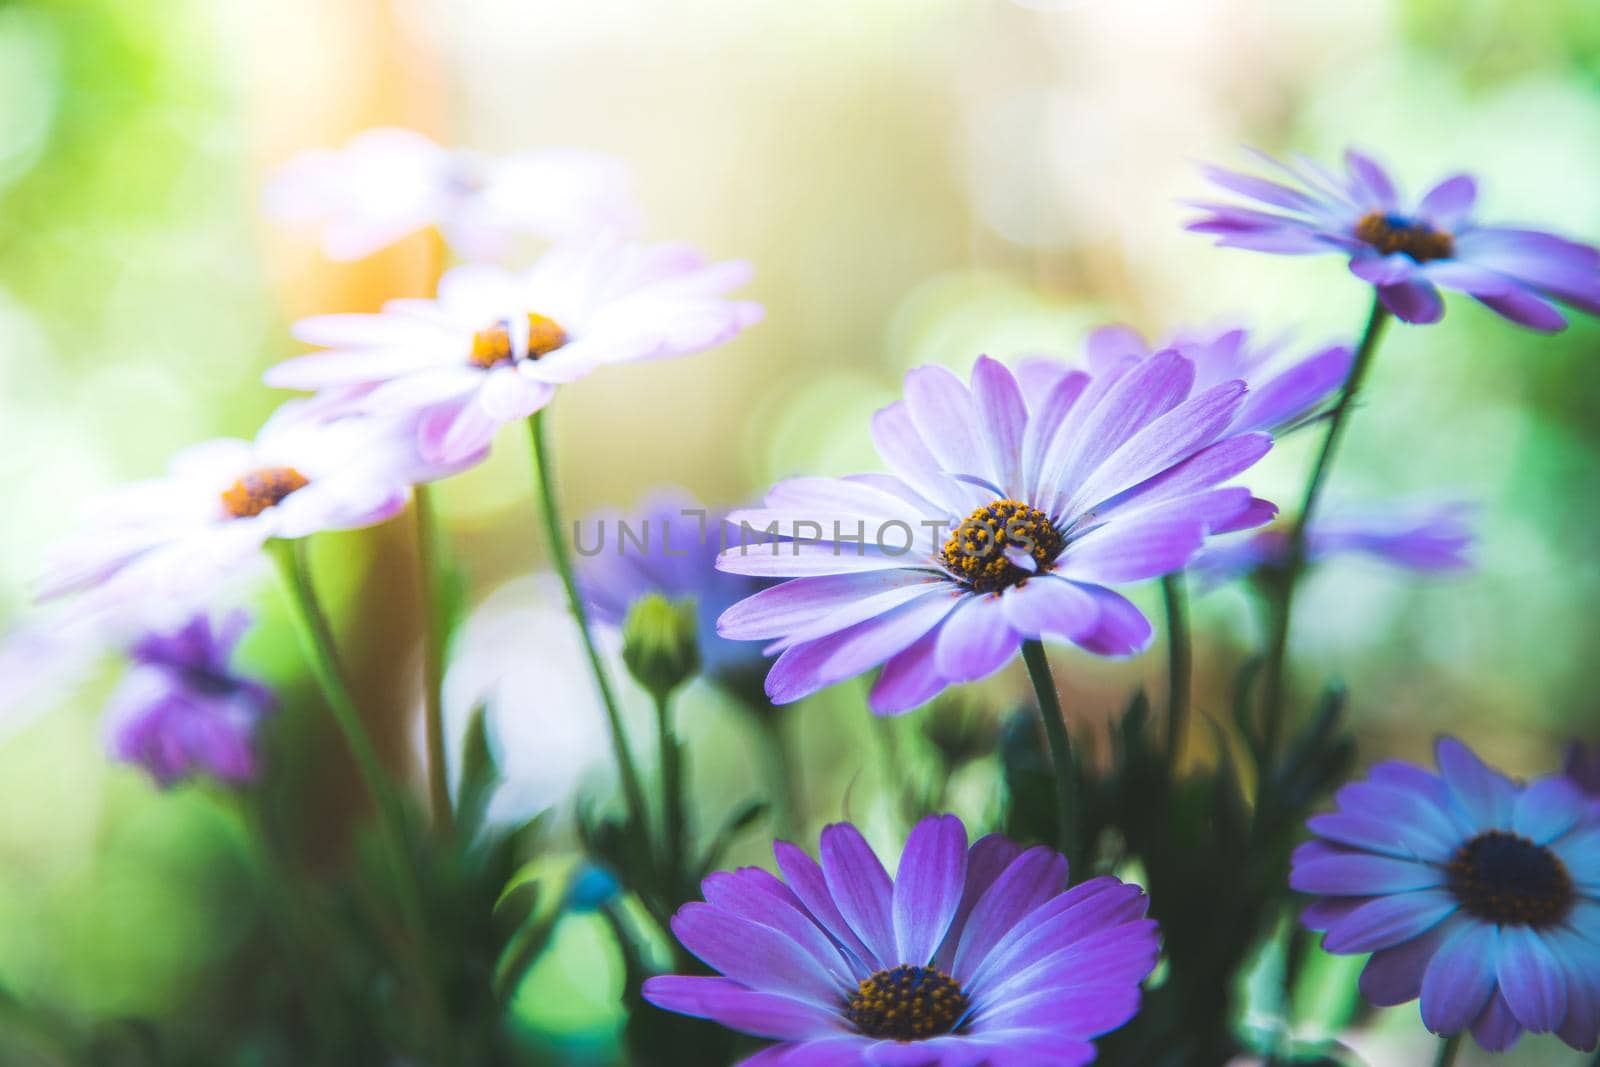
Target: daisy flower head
(493,346)
(1284,389)
(1428,540)
(1406,248)
(177,536)
(671,548)
(1476,894)
(1007,517)
(387,183)
(182,712)
(973,956)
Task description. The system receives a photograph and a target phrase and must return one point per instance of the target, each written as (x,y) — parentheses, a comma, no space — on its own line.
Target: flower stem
(1061,758)
(429,565)
(1273,679)
(1180,656)
(551,514)
(783,787)
(1448,1047)
(316,639)
(675,829)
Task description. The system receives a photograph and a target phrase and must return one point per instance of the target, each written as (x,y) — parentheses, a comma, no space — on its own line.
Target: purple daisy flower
(1430,541)
(1006,519)
(1283,391)
(493,346)
(674,554)
(177,536)
(967,957)
(388,183)
(181,712)
(1407,249)
(1478,895)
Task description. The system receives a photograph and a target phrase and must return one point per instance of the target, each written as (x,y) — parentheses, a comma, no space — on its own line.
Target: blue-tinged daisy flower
(1008,516)
(967,957)
(1407,249)
(1478,895)
(181,710)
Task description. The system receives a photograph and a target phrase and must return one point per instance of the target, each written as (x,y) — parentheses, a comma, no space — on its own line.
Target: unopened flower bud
(660,643)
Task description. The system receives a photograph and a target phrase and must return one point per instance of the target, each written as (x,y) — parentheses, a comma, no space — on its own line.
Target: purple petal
(902,448)
(1487,796)
(1268,192)
(1380,270)
(748,1011)
(861,888)
(1581,1028)
(1531,979)
(1461,978)
(782,609)
(1415,301)
(1547,809)
(943,413)
(1389,920)
(1394,975)
(1496,1028)
(1109,345)
(1447,203)
(754,894)
(928,885)
(976,640)
(1434,821)
(1360,874)
(1390,837)
(1029,881)
(754,955)
(909,678)
(803,669)
(987,859)
(810,887)
(1122,629)
(1050,606)
(807,559)
(1525,309)
(1372,178)
(1294,393)
(1003,415)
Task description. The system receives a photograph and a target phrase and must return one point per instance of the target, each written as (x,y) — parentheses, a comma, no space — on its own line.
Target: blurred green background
(916,181)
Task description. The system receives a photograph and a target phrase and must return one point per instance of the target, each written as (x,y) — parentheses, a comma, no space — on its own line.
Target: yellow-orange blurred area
(915,181)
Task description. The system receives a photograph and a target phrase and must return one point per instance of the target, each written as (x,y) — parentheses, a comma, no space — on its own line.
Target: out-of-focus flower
(968,956)
(1478,895)
(387,183)
(1283,391)
(494,345)
(1407,250)
(670,548)
(1582,767)
(177,536)
(1005,520)
(181,712)
(519,657)
(1427,540)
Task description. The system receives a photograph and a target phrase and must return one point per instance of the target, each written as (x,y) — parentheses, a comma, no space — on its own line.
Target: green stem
(1180,658)
(430,564)
(556,537)
(675,830)
(783,788)
(316,639)
(1448,1047)
(1061,758)
(1273,679)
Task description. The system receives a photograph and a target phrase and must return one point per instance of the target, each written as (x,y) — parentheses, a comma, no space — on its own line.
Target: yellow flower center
(1395,233)
(493,345)
(981,551)
(260,490)
(907,1004)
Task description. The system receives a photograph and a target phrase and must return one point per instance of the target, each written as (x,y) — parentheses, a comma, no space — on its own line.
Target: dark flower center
(1390,233)
(907,1004)
(1503,878)
(493,345)
(983,548)
(260,490)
